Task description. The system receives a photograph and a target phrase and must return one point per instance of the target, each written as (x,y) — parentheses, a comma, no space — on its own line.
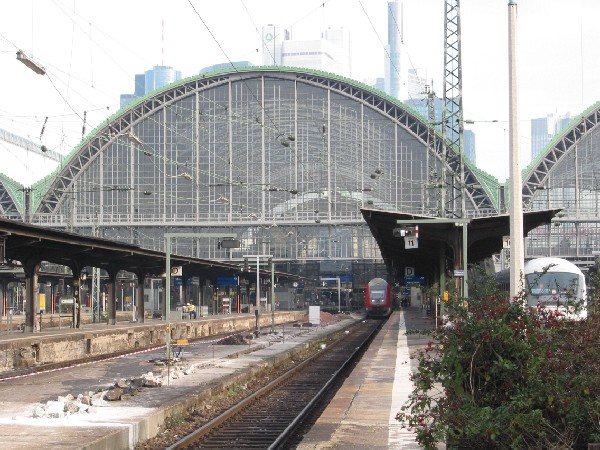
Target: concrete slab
(122,424)
(362,415)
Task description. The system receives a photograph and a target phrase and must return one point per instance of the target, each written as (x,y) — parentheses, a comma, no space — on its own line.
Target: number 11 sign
(411,242)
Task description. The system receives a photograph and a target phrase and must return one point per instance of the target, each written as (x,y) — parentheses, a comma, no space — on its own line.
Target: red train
(378,298)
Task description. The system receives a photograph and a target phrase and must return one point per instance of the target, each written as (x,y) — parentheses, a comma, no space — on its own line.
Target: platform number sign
(505,241)
(411,242)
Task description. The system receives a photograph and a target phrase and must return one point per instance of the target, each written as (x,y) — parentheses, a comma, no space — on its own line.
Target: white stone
(55,409)
(39,411)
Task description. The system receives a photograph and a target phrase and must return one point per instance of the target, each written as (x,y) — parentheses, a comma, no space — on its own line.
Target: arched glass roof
(256,149)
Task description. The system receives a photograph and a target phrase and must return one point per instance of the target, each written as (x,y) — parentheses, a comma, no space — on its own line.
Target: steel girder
(475,189)
(560,146)
(124,121)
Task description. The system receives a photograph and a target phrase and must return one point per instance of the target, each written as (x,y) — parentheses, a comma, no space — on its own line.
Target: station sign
(344,278)
(414,281)
(411,242)
(227,281)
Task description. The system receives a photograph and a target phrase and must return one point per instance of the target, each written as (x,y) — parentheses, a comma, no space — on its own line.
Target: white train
(552,282)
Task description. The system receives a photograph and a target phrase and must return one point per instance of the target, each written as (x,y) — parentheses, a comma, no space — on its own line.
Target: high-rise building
(420,106)
(544,129)
(160,76)
(469,145)
(225,66)
(149,81)
(393,81)
(330,52)
(272,44)
(417,83)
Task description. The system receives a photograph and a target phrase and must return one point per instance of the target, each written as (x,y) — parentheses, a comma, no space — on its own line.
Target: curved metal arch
(402,116)
(11,203)
(124,121)
(556,150)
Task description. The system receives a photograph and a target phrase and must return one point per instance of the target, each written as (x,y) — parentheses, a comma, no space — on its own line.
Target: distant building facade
(329,53)
(226,66)
(393,80)
(417,83)
(544,129)
(149,81)
(420,106)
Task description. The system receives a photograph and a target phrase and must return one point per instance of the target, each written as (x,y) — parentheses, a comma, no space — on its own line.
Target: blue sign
(178,281)
(227,281)
(414,281)
(344,278)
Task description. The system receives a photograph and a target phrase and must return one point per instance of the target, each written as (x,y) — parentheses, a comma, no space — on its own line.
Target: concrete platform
(362,415)
(213,367)
(19,350)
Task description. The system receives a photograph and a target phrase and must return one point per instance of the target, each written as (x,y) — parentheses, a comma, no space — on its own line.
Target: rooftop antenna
(162,38)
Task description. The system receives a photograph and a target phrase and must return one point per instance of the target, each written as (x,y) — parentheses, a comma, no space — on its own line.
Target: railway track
(270,417)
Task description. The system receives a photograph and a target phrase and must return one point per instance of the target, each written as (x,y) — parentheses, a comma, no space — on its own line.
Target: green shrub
(504,375)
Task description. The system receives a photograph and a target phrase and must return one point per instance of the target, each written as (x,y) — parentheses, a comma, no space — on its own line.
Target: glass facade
(566,177)
(283,159)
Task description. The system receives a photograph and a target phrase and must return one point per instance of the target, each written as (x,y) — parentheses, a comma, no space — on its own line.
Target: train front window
(551,286)
(377,296)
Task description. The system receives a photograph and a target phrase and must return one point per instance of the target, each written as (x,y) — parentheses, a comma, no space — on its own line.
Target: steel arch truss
(10,206)
(120,127)
(475,189)
(561,146)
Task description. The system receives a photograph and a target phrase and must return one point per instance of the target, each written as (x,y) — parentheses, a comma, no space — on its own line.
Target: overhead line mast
(453,155)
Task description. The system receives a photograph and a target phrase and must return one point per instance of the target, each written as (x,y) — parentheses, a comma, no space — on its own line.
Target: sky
(92,50)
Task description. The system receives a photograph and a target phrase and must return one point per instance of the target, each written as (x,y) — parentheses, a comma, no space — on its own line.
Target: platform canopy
(30,244)
(485,237)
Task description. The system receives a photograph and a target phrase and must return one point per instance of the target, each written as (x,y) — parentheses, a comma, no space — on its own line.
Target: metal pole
(464,255)
(517,253)
(339,295)
(257,300)
(272,296)
(168,293)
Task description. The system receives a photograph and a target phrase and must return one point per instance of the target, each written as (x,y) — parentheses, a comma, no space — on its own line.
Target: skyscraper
(393,80)
(330,52)
(416,84)
(419,104)
(160,76)
(272,44)
(149,81)
(544,129)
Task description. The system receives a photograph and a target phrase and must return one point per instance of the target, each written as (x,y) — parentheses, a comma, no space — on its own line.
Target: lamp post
(272,295)
(257,300)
